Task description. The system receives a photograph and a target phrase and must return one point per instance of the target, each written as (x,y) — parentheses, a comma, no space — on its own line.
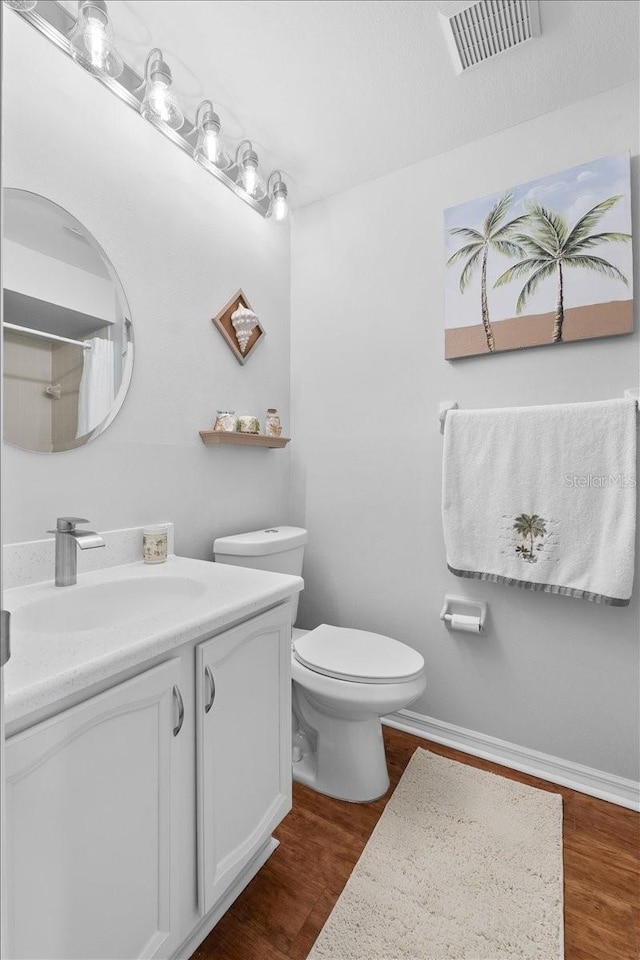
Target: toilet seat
(357,655)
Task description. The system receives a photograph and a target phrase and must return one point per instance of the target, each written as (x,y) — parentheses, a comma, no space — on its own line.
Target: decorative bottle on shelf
(272,425)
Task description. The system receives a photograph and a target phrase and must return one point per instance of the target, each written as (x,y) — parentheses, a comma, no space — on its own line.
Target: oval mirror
(68,345)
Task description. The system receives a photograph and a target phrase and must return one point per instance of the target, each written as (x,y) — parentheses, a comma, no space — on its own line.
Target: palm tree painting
(547,262)
(552,247)
(530,527)
(493,235)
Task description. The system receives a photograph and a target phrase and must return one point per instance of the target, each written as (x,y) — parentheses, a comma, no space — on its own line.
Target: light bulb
(279,208)
(210,144)
(250,179)
(159,102)
(23,6)
(91,41)
(279,205)
(278,198)
(248,176)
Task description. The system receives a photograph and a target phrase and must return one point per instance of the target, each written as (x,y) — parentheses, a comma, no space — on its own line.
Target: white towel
(543,497)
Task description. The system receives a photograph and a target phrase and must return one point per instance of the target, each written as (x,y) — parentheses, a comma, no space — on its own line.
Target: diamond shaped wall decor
(240,327)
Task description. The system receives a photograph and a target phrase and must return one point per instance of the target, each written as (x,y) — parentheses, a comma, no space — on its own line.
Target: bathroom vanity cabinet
(243,709)
(137,815)
(92,796)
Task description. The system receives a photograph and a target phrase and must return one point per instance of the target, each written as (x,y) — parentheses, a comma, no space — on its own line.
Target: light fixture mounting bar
(54,22)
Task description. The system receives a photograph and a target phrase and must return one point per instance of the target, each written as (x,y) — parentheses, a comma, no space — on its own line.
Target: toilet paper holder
(463,613)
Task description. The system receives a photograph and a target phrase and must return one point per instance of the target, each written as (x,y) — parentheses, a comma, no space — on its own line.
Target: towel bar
(445,406)
(631,393)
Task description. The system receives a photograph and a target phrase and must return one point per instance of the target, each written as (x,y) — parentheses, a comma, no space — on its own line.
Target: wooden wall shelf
(243,439)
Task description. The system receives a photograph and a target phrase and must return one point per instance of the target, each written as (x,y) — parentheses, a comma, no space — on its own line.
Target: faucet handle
(66,524)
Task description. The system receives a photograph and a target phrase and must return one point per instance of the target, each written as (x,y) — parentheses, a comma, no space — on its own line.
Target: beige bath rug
(462,865)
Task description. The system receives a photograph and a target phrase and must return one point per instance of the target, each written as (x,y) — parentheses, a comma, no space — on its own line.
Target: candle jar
(248,425)
(226,421)
(154,544)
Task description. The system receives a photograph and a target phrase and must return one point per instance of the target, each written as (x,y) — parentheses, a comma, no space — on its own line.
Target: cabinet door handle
(212,689)
(177,696)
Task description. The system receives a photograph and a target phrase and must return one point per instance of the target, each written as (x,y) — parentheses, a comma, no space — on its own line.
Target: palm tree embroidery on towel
(551,247)
(493,235)
(530,527)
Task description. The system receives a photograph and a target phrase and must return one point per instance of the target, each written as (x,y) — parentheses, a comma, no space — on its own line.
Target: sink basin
(103,605)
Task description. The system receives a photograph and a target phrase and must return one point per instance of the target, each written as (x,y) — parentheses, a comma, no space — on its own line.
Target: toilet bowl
(344,682)
(338,744)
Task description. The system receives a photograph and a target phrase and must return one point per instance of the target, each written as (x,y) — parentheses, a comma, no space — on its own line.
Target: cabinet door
(243,703)
(91,801)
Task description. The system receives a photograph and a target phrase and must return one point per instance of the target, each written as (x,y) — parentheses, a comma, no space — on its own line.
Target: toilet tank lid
(258,543)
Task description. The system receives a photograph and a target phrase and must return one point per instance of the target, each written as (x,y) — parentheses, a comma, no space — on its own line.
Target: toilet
(344,681)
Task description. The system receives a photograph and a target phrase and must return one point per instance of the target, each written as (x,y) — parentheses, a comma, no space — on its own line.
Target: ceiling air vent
(481,30)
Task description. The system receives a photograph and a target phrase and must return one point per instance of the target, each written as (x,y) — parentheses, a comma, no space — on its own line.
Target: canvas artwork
(546,262)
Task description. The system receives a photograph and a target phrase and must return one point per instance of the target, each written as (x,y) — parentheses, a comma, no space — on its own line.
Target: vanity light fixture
(85,39)
(159,104)
(279,203)
(210,145)
(248,173)
(91,42)
(21,5)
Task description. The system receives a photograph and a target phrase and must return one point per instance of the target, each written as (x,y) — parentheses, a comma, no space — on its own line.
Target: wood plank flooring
(282,911)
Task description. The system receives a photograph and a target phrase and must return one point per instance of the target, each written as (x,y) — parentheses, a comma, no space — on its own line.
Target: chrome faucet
(67,538)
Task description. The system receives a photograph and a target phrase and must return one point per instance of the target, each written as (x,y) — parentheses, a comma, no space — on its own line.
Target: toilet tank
(279,549)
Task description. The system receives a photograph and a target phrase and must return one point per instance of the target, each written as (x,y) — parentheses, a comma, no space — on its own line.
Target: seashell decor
(244,322)
(240,326)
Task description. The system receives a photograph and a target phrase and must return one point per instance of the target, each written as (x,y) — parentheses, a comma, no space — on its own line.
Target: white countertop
(48,667)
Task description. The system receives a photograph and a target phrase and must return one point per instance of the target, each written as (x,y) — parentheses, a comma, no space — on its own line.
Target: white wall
(182,244)
(552,673)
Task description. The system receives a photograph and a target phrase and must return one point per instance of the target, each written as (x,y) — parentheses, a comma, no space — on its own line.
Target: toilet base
(305,774)
(348,763)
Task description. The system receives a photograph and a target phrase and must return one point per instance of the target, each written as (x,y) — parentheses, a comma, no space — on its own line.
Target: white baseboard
(595,783)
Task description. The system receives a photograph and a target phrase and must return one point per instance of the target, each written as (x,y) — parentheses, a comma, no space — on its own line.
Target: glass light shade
(91,41)
(279,206)
(22,5)
(210,147)
(250,179)
(160,104)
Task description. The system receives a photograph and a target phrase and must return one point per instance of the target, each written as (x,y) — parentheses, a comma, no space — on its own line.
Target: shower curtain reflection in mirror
(97,385)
